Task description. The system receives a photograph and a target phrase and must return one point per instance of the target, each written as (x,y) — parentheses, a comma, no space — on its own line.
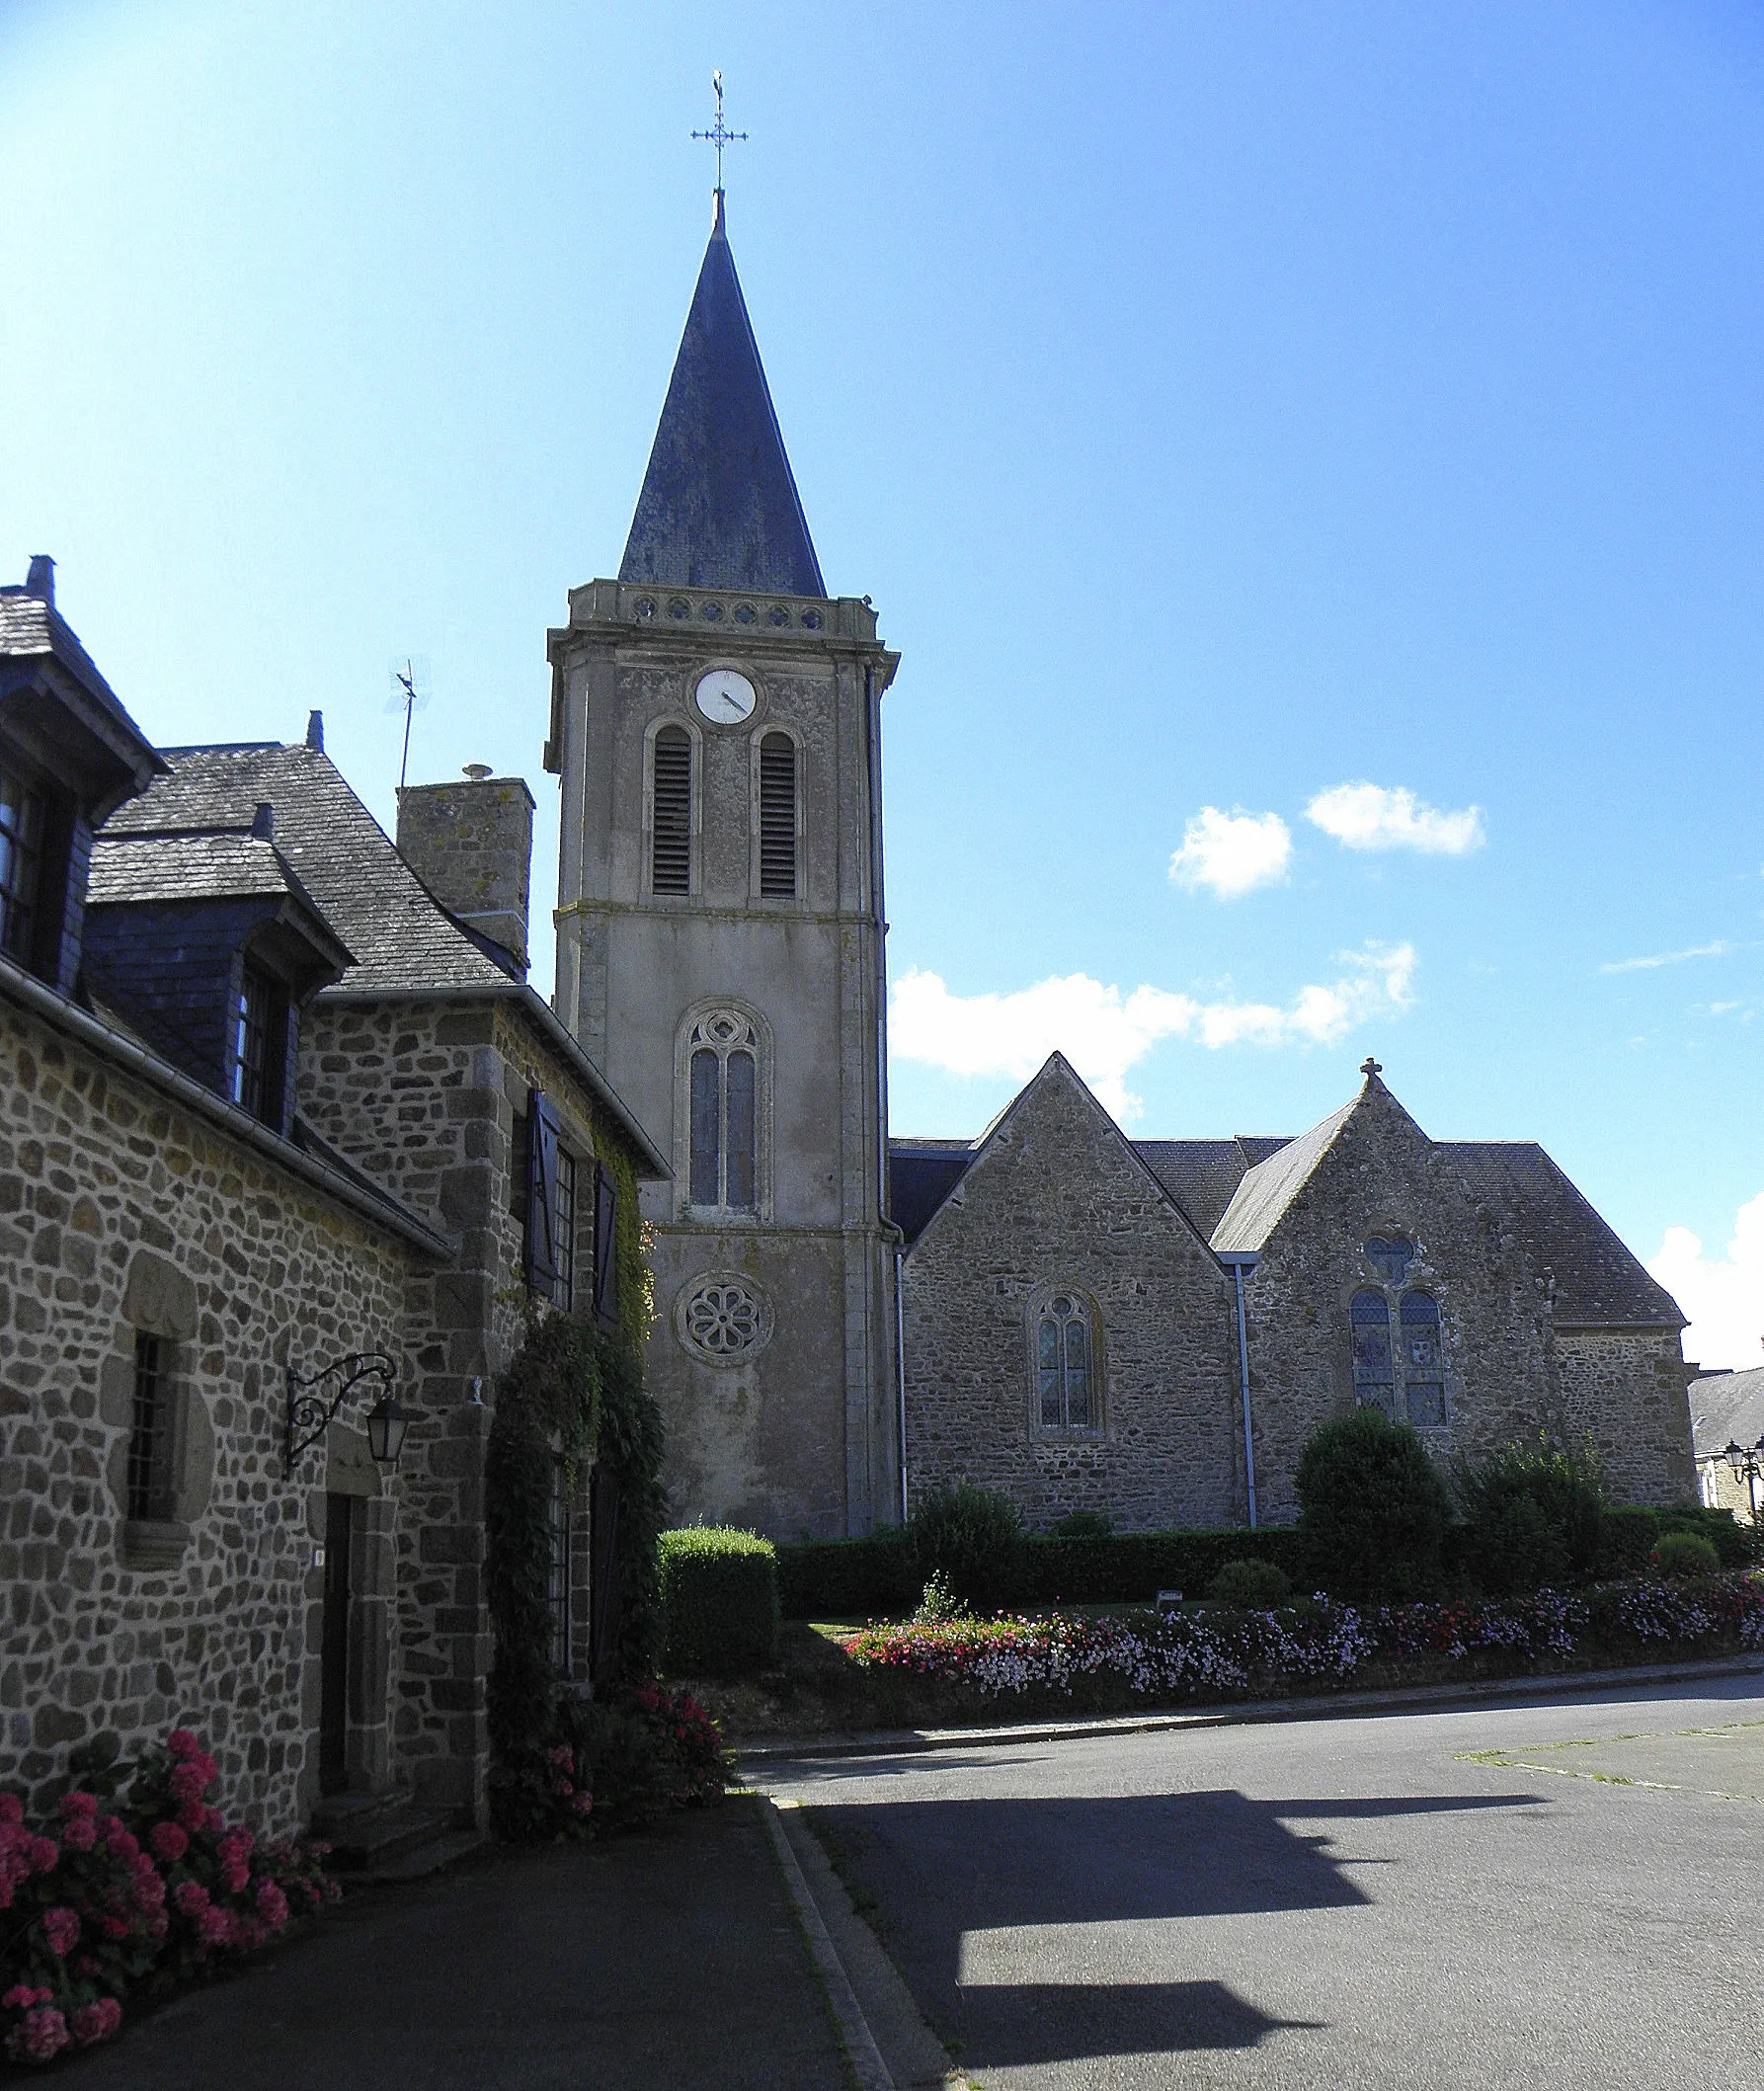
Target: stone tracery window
(1369,1316)
(1064,1364)
(1423,1376)
(723,1071)
(1397,1349)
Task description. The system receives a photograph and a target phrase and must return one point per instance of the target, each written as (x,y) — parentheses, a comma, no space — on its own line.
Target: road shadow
(959,1886)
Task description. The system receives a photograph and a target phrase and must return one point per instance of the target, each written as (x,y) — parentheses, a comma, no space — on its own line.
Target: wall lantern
(310,1413)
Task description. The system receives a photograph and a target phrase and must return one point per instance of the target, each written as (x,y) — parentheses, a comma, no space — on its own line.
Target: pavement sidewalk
(670,1959)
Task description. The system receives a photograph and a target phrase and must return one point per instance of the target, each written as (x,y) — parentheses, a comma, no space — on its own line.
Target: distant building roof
(1726,1407)
(404,942)
(719,506)
(208,866)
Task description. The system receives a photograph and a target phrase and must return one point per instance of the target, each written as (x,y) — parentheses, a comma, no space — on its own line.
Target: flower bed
(112,1896)
(1179,1655)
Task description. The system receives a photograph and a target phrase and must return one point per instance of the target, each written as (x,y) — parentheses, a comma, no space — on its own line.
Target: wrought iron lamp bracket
(310,1415)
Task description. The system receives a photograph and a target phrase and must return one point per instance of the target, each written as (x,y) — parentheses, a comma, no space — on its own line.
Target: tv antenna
(410,694)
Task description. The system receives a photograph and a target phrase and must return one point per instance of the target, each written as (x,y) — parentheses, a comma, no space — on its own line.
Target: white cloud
(1231,853)
(1723,1295)
(1719,949)
(1372,817)
(1105,1034)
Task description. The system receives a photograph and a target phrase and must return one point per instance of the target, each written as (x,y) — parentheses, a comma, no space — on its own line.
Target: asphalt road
(1559,1895)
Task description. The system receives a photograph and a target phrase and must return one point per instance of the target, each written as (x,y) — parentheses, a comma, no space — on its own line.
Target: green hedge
(719,1601)
(855,1579)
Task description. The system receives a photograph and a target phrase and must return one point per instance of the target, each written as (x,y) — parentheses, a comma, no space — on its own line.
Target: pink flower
(186,1781)
(120,1842)
(61,1927)
(79,1804)
(216,1926)
(79,1834)
(45,1854)
(193,1817)
(22,1996)
(168,1840)
(182,1743)
(12,1810)
(584,1803)
(235,1875)
(97,2021)
(272,1904)
(191,1899)
(42,2035)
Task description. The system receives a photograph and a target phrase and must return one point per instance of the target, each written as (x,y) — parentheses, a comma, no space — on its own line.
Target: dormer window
(21,817)
(257,1048)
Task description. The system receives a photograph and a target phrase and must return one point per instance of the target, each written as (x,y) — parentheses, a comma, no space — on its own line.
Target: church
(1148,1328)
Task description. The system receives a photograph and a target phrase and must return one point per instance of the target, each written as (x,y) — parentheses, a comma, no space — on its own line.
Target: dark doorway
(333,1718)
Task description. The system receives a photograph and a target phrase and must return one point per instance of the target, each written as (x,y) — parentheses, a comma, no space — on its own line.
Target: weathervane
(719,134)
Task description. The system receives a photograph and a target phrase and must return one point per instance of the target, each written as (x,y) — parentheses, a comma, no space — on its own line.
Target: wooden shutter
(605,1247)
(541,1193)
(670,811)
(777,816)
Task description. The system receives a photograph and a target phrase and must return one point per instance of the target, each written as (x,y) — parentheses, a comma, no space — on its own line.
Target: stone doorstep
(1308,1707)
(370,1833)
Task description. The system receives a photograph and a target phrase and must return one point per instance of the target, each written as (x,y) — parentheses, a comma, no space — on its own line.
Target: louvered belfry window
(777,816)
(670,831)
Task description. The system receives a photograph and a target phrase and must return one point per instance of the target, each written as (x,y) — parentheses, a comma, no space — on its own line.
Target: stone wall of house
(1625,1389)
(423,1097)
(1381,1175)
(124,1213)
(1056,1200)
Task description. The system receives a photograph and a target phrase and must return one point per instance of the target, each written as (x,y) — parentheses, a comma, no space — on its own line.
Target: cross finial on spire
(1370,1067)
(719,134)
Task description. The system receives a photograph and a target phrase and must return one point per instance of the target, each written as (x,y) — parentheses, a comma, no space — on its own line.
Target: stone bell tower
(716,724)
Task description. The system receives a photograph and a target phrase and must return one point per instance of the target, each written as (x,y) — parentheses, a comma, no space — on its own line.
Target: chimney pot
(41,579)
(263,822)
(315,731)
(478,772)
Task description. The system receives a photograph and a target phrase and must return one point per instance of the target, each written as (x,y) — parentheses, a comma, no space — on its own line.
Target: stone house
(268,1102)
(1728,1408)
(1154,1328)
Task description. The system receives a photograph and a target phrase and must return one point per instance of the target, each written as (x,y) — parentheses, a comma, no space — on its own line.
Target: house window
(563,1293)
(149,1437)
(256,1050)
(671,812)
(543,1176)
(558,1570)
(20,865)
(1369,1314)
(777,816)
(1064,1364)
(723,1070)
(1423,1381)
(1391,1255)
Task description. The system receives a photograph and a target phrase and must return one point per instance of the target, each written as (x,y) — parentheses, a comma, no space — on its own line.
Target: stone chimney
(471,844)
(41,579)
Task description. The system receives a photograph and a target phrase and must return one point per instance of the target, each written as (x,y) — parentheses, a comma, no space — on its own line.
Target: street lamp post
(1747,1462)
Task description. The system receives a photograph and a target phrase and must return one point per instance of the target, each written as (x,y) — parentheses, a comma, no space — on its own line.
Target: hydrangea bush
(1192,1654)
(137,1879)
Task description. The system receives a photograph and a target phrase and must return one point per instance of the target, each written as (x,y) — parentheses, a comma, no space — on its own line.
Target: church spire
(719,507)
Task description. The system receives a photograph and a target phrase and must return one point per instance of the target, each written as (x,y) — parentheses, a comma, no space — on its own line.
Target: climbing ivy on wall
(575,1390)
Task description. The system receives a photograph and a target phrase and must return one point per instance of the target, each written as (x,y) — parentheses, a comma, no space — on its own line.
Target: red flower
(97,2021)
(61,1927)
(170,1841)
(182,1743)
(42,2035)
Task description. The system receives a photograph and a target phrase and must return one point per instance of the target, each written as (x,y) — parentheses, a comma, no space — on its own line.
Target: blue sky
(1223,404)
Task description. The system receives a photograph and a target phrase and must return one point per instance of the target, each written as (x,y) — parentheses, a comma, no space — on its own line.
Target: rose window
(722,1318)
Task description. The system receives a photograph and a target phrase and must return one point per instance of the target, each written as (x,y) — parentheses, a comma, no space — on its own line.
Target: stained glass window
(1391,1255)
(1064,1367)
(1422,1376)
(1374,1382)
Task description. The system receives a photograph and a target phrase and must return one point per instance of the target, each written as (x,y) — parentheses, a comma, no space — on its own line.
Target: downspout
(1240,1262)
(900,1368)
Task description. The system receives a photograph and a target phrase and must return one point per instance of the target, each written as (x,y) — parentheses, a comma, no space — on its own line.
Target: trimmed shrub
(719,1601)
(848,1578)
(1084,1524)
(1686,1553)
(1252,1583)
(1533,1518)
(1734,1543)
(975,1536)
(1373,1512)
(1626,1539)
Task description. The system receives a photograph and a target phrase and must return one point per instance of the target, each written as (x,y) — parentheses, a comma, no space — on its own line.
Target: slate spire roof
(719,507)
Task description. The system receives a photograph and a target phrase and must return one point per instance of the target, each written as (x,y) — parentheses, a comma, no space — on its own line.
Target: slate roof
(210,867)
(1202,1176)
(30,627)
(1599,1283)
(1726,1407)
(403,941)
(922,1174)
(1262,1197)
(719,506)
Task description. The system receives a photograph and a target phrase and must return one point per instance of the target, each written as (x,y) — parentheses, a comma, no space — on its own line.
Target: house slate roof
(1726,1407)
(1260,1200)
(719,506)
(1202,1176)
(218,864)
(403,942)
(31,628)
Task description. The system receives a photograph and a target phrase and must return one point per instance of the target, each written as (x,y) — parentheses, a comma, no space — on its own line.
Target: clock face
(725,696)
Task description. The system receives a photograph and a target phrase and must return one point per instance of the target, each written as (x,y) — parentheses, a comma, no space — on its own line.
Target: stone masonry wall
(120,1212)
(1057,1199)
(1626,1389)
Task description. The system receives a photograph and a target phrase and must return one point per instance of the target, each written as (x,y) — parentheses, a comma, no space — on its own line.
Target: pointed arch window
(1375,1386)
(1064,1364)
(777,816)
(723,1070)
(1423,1379)
(671,812)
